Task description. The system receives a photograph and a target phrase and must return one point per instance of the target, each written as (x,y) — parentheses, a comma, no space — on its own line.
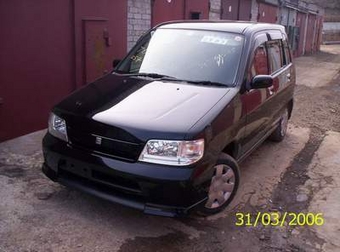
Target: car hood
(143,107)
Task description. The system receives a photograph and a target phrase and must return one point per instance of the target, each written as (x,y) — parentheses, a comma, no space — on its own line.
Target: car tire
(281,130)
(222,187)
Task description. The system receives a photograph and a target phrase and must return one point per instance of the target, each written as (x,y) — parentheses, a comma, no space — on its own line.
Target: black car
(165,131)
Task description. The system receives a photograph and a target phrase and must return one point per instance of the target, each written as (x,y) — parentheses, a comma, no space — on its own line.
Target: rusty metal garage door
(267,13)
(236,9)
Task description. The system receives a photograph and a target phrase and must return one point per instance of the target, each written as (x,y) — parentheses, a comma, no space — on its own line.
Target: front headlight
(169,152)
(57,127)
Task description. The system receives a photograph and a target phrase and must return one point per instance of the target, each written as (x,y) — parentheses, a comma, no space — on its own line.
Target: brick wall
(254,10)
(139,20)
(215,10)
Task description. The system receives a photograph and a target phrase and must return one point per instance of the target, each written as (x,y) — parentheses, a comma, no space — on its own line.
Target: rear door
(282,71)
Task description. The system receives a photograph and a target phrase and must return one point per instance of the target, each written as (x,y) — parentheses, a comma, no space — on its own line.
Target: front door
(256,100)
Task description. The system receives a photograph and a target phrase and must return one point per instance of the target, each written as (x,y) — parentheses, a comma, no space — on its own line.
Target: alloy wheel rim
(221,187)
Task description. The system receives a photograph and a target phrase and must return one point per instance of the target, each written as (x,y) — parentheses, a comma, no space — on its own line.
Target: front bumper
(154,189)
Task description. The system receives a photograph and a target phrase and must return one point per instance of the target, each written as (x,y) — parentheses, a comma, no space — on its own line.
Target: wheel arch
(232,149)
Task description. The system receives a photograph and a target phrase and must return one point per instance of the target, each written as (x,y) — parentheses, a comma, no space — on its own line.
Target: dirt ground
(299,175)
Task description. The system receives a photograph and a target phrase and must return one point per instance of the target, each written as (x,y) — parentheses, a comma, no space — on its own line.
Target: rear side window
(275,55)
(286,51)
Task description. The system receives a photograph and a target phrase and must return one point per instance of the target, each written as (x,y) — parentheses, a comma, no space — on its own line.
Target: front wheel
(223,186)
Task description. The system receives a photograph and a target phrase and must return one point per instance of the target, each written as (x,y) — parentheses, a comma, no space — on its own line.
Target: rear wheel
(223,186)
(281,130)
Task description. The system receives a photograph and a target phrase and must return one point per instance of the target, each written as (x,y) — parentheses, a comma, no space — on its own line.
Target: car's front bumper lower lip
(148,208)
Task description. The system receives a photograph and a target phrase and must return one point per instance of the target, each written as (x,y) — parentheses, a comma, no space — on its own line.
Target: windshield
(192,55)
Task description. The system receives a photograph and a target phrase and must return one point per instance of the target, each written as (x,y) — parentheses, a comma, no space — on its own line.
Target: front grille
(104,139)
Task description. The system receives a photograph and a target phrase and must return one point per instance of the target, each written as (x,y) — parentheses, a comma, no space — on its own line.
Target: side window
(275,55)
(259,63)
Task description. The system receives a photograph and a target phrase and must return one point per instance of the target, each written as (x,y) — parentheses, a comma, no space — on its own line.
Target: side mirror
(115,62)
(261,81)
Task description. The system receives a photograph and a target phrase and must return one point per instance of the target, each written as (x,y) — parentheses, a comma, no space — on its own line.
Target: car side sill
(241,158)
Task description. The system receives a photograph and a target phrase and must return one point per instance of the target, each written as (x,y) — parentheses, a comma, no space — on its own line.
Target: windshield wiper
(153,75)
(171,78)
(207,83)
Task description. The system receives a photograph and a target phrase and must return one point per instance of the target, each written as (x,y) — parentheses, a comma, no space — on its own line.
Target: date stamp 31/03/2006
(279,219)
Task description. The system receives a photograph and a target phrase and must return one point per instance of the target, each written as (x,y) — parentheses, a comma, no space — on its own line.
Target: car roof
(241,27)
